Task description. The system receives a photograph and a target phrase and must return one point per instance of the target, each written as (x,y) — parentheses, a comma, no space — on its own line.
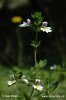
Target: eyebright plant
(37,24)
(33,77)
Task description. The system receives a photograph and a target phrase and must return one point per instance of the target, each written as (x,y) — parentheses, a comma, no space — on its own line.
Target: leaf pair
(35,44)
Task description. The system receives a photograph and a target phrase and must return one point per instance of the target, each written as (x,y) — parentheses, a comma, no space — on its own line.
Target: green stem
(31,93)
(35,50)
(47,94)
(20,48)
(36,36)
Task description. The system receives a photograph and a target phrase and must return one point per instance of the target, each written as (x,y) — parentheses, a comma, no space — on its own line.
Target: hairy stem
(35,50)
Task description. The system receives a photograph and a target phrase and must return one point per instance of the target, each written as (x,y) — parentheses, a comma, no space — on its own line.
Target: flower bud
(45,24)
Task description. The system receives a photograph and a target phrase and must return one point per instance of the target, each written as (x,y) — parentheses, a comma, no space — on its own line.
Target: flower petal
(28,21)
(24,24)
(38,87)
(53,67)
(46,29)
(11,82)
(25,80)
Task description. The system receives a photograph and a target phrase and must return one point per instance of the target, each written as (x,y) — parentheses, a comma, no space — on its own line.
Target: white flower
(46,29)
(11,82)
(37,80)
(53,67)
(24,79)
(24,24)
(38,87)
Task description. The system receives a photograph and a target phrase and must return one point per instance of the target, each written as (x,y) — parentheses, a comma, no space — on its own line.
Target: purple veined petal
(45,24)
(37,80)
(28,21)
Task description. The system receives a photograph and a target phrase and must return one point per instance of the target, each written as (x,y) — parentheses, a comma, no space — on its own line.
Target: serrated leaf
(53,86)
(37,18)
(17,72)
(42,63)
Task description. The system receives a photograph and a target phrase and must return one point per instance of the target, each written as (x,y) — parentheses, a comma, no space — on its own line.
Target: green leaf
(37,15)
(35,44)
(42,63)
(17,72)
(53,86)
(38,93)
(37,18)
(26,96)
(46,81)
(34,74)
(33,28)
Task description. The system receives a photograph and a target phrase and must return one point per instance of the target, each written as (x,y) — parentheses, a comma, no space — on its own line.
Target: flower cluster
(36,86)
(13,80)
(43,27)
